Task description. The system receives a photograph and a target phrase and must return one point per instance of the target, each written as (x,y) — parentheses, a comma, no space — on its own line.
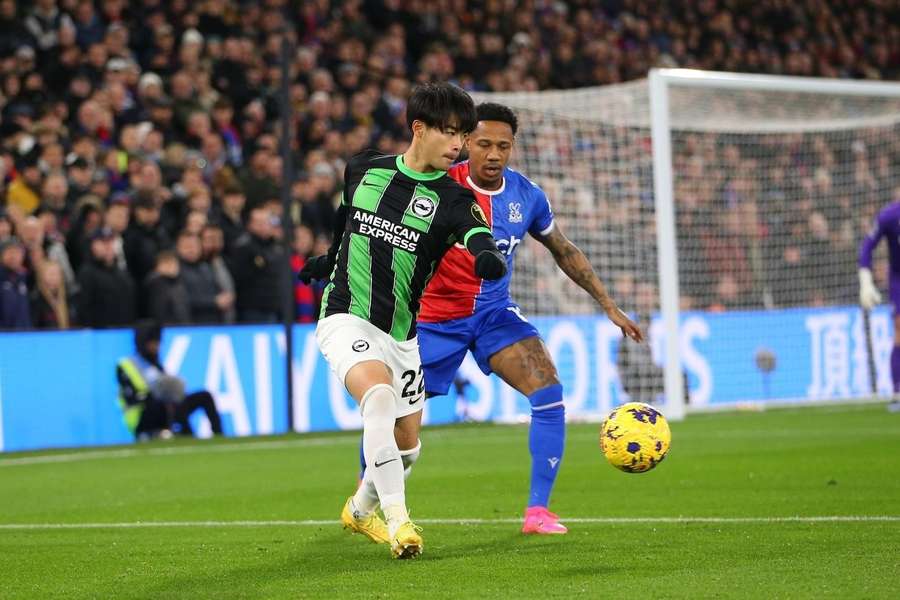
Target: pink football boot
(539,520)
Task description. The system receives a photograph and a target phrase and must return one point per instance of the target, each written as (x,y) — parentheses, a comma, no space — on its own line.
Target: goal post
(725,210)
(662,81)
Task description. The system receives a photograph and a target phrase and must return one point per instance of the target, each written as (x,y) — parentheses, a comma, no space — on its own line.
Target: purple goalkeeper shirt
(887,225)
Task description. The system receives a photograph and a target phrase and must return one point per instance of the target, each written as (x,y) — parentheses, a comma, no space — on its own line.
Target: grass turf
(814,462)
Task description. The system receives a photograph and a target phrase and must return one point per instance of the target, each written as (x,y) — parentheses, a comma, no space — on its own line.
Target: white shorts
(347,340)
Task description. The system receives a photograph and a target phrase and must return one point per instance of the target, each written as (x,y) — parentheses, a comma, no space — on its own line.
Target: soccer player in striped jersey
(462,312)
(398,217)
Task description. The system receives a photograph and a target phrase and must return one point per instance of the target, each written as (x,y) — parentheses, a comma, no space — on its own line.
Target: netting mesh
(773,191)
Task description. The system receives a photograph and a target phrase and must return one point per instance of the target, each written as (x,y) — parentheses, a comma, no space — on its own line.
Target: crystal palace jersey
(399,225)
(516,208)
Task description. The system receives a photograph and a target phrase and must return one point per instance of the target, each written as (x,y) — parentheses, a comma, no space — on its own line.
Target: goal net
(756,197)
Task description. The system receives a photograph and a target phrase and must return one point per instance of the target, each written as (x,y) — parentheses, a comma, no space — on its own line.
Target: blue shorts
(443,346)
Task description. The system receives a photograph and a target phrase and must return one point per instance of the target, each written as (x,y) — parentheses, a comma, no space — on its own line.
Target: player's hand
(869,296)
(629,328)
(316,267)
(490,265)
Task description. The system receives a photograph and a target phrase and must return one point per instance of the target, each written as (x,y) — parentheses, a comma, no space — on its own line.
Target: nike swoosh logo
(378,464)
(411,402)
(367,184)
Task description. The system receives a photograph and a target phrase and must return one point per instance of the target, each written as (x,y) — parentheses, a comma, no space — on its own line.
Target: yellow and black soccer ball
(635,437)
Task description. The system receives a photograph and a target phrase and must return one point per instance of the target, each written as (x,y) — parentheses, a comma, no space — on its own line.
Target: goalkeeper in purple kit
(887,225)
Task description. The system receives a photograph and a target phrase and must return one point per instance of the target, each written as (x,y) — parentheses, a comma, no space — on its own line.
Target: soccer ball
(635,437)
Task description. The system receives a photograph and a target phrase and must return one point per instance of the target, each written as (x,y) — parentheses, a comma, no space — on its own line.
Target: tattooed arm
(575,264)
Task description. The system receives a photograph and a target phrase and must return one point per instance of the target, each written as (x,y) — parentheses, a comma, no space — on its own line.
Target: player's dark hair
(441,105)
(491,111)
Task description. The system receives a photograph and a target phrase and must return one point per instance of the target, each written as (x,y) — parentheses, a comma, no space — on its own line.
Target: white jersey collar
(486,192)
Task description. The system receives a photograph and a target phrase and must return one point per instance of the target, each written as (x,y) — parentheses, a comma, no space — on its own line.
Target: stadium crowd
(140,172)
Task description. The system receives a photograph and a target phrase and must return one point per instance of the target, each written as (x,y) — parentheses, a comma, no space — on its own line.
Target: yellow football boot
(372,526)
(407,543)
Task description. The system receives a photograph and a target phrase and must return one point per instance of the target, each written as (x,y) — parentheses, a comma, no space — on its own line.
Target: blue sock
(546,442)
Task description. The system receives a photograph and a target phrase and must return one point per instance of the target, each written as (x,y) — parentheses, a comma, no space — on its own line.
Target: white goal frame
(660,82)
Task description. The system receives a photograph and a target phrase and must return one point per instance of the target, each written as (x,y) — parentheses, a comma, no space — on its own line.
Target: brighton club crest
(515,212)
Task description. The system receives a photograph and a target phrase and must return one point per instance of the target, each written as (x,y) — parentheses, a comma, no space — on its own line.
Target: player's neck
(413,160)
(488,186)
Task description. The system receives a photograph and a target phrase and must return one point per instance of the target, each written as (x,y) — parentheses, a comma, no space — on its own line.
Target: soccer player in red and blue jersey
(460,312)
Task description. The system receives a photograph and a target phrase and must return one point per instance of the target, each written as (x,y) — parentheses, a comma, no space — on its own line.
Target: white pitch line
(175,450)
(473,521)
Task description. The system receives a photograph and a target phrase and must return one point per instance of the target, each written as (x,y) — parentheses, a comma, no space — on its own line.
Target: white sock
(395,515)
(409,458)
(365,501)
(383,463)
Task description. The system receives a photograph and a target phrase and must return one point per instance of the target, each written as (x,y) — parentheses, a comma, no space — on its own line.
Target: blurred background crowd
(140,165)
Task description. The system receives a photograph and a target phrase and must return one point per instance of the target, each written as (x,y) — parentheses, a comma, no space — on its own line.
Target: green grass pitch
(776,504)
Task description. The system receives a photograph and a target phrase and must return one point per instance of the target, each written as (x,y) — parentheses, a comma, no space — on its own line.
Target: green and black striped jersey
(399,225)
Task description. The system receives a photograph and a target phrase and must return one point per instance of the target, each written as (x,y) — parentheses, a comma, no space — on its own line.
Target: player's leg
(442,348)
(372,384)
(510,346)
(391,399)
(894,406)
(526,366)
(406,433)
(352,349)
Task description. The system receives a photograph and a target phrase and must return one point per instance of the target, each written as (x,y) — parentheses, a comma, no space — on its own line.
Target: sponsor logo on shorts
(360,346)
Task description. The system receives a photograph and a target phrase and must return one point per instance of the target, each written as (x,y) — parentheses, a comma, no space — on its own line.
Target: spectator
(88,219)
(144,238)
(116,219)
(229,217)
(212,241)
(6,226)
(258,268)
(44,23)
(54,195)
(306,297)
(93,79)
(166,294)
(50,303)
(153,403)
(14,311)
(24,191)
(208,301)
(257,182)
(107,296)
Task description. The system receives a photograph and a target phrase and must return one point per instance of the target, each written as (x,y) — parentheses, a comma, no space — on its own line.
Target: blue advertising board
(58,389)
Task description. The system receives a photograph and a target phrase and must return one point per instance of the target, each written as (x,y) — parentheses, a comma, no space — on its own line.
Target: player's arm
(489,262)
(578,268)
(473,231)
(869,295)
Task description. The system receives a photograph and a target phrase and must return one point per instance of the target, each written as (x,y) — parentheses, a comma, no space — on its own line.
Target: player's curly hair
(441,105)
(491,111)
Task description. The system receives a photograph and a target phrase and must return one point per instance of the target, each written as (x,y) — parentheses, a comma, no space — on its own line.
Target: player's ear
(418,128)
